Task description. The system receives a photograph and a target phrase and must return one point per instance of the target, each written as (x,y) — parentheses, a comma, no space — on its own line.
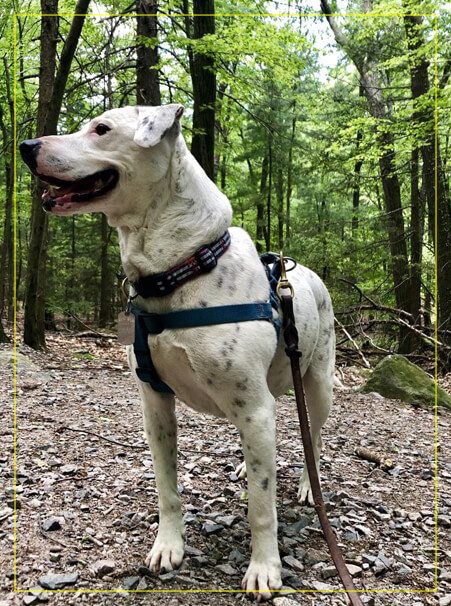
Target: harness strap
(153,324)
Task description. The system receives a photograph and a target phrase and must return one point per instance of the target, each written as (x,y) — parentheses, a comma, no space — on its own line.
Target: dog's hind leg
(161,431)
(254,416)
(318,395)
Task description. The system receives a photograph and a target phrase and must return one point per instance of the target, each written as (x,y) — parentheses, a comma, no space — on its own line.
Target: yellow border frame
(15,16)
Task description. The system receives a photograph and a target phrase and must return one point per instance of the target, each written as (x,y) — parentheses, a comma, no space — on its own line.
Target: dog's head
(109,164)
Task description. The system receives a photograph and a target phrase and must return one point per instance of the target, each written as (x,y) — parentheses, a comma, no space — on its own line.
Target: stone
(313,556)
(51,524)
(212,528)
(103,567)
(445,600)
(226,569)
(130,583)
(396,377)
(293,563)
(226,521)
(236,556)
(58,581)
(293,529)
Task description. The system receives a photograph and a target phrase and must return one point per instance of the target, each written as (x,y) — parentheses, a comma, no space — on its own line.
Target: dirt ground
(86,492)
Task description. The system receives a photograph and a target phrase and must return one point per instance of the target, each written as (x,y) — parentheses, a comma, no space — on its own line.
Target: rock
(397,378)
(445,600)
(226,569)
(58,581)
(212,528)
(329,572)
(130,583)
(50,524)
(31,599)
(236,556)
(313,556)
(354,571)
(103,567)
(292,530)
(226,521)
(293,563)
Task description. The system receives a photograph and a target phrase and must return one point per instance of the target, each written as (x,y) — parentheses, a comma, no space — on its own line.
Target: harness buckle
(205,258)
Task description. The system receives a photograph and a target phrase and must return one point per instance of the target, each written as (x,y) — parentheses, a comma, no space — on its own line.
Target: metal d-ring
(283,282)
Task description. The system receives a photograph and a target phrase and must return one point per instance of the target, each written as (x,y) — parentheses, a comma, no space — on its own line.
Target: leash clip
(283,282)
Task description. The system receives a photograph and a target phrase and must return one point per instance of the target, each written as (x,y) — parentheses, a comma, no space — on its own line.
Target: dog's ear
(155,123)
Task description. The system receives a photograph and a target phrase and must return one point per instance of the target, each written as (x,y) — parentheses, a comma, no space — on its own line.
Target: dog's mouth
(62,194)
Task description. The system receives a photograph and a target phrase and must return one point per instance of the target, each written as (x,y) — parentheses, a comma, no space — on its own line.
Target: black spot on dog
(239,402)
(203,303)
(232,289)
(241,385)
(160,251)
(321,357)
(219,282)
(228,364)
(265,483)
(209,381)
(248,419)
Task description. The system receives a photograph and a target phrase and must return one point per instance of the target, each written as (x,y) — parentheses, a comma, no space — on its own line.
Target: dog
(133,165)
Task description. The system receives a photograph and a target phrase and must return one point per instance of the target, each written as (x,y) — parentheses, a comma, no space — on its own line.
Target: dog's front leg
(256,424)
(161,430)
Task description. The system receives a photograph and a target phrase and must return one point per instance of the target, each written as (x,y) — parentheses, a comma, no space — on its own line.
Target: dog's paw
(305,494)
(166,554)
(261,579)
(241,470)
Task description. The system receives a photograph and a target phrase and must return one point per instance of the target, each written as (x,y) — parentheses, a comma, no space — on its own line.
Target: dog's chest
(178,366)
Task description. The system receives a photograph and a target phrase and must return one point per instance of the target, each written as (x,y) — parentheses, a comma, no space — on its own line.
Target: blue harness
(153,324)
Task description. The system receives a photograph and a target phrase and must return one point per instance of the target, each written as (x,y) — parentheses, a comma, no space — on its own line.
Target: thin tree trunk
(105,275)
(260,231)
(290,177)
(280,204)
(416,244)
(203,78)
(147,83)
(356,188)
(432,166)
(268,196)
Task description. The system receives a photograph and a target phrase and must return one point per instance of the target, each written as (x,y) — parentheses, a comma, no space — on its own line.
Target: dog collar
(202,261)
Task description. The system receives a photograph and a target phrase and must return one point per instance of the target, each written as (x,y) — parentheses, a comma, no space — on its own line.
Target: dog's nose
(29,150)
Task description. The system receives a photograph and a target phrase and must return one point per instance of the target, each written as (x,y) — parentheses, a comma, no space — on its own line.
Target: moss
(396,377)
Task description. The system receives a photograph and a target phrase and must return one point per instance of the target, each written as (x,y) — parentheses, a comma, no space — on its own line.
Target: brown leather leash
(290,334)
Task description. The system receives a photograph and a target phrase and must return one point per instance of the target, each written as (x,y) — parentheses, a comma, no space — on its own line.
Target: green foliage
(271,75)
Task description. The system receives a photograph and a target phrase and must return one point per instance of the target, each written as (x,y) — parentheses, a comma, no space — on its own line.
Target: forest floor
(100,495)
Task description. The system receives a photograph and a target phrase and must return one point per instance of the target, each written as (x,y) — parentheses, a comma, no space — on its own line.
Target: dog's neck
(184,210)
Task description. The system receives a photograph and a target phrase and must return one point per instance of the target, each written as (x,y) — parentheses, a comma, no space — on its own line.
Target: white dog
(133,165)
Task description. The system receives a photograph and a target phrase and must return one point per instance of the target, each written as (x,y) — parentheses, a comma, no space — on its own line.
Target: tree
(51,91)
(203,79)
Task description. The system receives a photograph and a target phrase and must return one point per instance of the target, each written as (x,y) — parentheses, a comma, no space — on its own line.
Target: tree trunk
(436,192)
(260,232)
(51,91)
(34,321)
(280,204)
(203,78)
(373,85)
(416,245)
(105,275)
(356,189)
(268,197)
(147,83)
(290,177)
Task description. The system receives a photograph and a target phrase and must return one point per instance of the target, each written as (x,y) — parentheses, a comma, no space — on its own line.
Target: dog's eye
(102,129)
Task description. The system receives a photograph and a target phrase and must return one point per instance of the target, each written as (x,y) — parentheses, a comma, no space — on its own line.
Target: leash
(286,293)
